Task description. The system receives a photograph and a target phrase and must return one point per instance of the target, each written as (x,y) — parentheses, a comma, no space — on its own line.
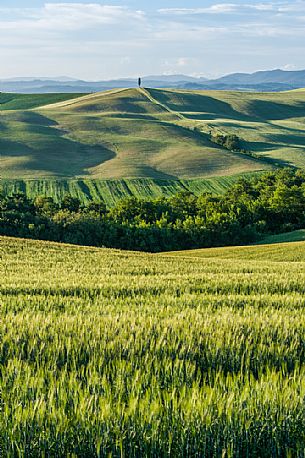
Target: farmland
(113,353)
(112,191)
(116,141)
(112,135)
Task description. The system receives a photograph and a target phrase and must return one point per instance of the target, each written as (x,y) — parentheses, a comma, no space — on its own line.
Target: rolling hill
(279,249)
(150,134)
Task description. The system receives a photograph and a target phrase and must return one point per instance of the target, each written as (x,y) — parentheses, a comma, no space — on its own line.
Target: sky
(96,40)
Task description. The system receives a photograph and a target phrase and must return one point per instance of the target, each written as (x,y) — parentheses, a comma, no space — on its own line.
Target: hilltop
(153,134)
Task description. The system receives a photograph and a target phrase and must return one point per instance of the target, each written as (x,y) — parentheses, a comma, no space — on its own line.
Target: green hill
(294,236)
(270,125)
(138,133)
(29,101)
(277,252)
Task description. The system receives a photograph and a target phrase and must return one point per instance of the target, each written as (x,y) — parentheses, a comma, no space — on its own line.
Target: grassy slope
(280,252)
(143,138)
(131,135)
(272,124)
(29,101)
(295,236)
(118,134)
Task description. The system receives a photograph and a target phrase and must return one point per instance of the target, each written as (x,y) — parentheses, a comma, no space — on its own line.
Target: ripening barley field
(114,354)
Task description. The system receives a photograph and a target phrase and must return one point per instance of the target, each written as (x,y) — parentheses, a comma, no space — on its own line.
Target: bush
(273,203)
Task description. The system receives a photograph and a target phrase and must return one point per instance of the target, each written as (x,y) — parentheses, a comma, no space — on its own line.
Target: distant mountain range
(263,81)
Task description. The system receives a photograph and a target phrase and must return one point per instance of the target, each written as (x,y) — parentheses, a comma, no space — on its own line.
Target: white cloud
(214,9)
(182,62)
(246,8)
(289,67)
(83,15)
(69,16)
(262,7)
(99,39)
(292,7)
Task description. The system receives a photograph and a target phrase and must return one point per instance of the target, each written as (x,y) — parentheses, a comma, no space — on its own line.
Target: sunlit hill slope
(143,133)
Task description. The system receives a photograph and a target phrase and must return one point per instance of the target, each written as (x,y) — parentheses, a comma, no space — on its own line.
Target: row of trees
(250,209)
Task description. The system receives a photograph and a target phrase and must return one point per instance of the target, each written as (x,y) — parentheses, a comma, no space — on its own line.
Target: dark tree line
(250,209)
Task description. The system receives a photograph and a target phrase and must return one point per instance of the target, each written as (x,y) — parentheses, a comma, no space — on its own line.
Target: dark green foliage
(98,208)
(70,203)
(230,142)
(252,208)
(45,205)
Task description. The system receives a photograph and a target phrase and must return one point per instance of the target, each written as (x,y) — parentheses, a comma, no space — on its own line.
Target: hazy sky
(101,40)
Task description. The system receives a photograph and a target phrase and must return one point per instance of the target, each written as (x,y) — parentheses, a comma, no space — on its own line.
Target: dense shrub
(251,208)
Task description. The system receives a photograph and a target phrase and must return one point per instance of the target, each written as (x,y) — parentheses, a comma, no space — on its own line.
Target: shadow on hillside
(3,127)
(30,117)
(45,149)
(287,140)
(228,125)
(262,147)
(146,171)
(272,111)
(198,106)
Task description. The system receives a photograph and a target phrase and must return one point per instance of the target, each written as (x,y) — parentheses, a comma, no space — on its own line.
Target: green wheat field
(107,353)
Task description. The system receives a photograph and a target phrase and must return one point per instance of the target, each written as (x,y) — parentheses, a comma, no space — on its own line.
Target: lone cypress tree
(139,82)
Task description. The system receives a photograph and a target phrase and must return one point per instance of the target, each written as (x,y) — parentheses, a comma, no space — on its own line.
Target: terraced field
(111,353)
(111,191)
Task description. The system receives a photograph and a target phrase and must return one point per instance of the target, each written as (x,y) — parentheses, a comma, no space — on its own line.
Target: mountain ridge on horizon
(260,81)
